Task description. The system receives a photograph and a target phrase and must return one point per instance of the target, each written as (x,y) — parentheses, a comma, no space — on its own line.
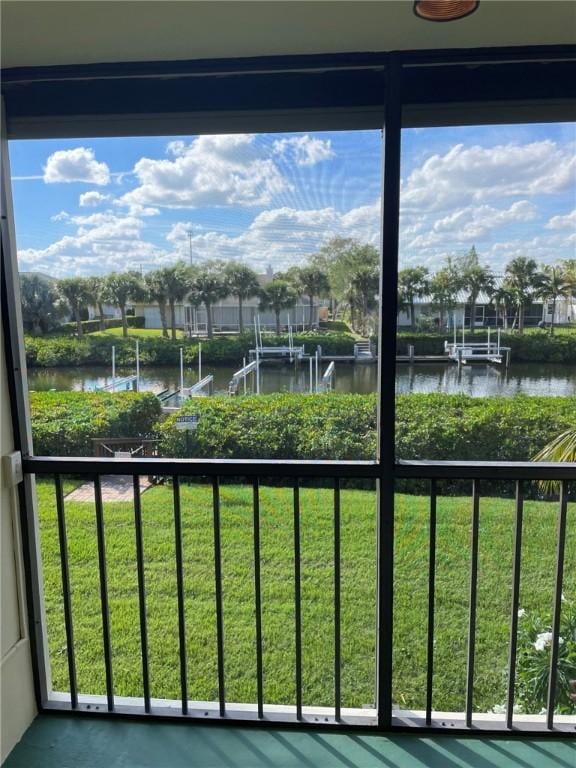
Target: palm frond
(562,448)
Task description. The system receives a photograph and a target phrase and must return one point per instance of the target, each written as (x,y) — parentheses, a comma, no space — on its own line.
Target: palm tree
(209,285)
(561,448)
(364,287)
(278,295)
(502,299)
(176,281)
(41,305)
(97,296)
(155,286)
(76,292)
(242,283)
(443,287)
(521,279)
(120,288)
(551,285)
(476,279)
(313,282)
(412,282)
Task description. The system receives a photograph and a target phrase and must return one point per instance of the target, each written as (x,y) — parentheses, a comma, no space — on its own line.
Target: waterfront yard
(358,593)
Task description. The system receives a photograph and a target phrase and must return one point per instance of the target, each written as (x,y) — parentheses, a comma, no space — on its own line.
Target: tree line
(523,282)
(343,270)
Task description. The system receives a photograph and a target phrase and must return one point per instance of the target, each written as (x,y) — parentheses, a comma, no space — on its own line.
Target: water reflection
(477,380)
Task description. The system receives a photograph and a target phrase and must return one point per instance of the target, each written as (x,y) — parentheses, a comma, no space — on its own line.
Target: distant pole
(244,366)
(455,330)
(498,340)
(311,376)
(137,366)
(181,372)
(113,369)
(257,372)
(463,329)
(488,339)
(189,233)
(316,369)
(199,361)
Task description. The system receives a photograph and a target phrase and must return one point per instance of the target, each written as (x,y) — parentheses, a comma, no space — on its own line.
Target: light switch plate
(12,468)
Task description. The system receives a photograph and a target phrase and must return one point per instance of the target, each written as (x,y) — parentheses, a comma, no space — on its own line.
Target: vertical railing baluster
(141,592)
(258,597)
(218,586)
(297,600)
(180,591)
(431,599)
(472,608)
(62,538)
(337,612)
(104,592)
(561,542)
(515,603)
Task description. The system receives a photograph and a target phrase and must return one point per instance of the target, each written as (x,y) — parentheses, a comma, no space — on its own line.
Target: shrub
(63,423)
(343,426)
(533,667)
(91,326)
(97,350)
(534,346)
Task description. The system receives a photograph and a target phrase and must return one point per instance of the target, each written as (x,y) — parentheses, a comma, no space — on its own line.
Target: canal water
(477,380)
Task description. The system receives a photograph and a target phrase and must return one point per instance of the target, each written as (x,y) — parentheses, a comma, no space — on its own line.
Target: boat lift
(464,352)
(292,352)
(124,383)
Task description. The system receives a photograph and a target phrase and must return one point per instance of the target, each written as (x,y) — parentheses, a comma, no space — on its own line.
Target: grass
(358,594)
(138,333)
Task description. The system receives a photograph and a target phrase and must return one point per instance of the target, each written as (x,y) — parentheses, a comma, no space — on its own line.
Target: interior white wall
(17,704)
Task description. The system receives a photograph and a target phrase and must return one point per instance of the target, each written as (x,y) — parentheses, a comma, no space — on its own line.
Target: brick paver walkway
(114,488)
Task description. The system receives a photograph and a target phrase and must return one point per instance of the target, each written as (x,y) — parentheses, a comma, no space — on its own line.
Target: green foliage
(534,346)
(343,426)
(225,350)
(533,666)
(42,308)
(63,423)
(91,326)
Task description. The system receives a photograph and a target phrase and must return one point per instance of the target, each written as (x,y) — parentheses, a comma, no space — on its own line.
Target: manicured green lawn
(138,333)
(358,594)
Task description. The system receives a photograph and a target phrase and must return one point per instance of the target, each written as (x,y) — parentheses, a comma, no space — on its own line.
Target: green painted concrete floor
(66,742)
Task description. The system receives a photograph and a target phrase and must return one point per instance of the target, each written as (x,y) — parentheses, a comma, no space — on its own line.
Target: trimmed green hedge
(63,423)
(343,426)
(533,346)
(48,351)
(90,326)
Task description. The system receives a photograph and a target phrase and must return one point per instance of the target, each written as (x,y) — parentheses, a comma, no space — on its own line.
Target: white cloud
(306,150)
(92,199)
(473,174)
(563,222)
(210,171)
(70,165)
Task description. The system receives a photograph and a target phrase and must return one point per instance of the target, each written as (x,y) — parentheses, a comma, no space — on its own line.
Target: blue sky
(93,205)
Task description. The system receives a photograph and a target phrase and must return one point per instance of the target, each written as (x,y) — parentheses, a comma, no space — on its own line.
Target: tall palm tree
(155,287)
(242,283)
(208,286)
(97,296)
(314,282)
(502,299)
(476,279)
(121,287)
(278,295)
(521,279)
(364,286)
(412,282)
(443,287)
(551,284)
(176,282)
(75,291)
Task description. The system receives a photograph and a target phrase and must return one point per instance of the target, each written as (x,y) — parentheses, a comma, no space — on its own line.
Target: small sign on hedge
(187,422)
